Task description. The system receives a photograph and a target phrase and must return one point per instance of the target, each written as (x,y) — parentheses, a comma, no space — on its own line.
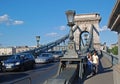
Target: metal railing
(48,46)
(112,58)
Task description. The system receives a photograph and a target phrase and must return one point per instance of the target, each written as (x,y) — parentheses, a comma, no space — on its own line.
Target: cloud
(104,28)
(18,22)
(62,28)
(5,19)
(53,34)
(115,32)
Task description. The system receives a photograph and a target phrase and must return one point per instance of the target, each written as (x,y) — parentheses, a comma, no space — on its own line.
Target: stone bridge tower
(85,22)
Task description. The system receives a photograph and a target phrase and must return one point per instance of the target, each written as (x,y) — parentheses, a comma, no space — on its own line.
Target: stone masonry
(85,22)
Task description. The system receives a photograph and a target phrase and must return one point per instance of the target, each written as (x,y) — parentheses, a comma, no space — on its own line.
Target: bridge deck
(104,76)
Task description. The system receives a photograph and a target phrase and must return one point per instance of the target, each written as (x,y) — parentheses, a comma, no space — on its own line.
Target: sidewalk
(104,76)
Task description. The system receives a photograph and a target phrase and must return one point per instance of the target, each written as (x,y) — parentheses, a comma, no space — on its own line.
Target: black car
(0,65)
(20,61)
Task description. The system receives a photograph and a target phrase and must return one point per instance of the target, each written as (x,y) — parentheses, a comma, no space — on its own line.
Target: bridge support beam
(116,70)
(114,25)
(116,74)
(119,46)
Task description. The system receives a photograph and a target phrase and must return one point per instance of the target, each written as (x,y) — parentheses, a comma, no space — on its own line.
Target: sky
(22,20)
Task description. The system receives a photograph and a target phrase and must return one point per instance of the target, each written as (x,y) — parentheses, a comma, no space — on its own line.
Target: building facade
(7,50)
(13,50)
(24,48)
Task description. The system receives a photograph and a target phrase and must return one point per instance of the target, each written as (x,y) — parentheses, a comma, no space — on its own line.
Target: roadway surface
(38,75)
(43,72)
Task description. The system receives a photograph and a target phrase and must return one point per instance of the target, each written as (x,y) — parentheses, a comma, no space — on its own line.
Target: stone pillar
(96,37)
(116,74)
(119,46)
(116,69)
(85,21)
(77,39)
(71,50)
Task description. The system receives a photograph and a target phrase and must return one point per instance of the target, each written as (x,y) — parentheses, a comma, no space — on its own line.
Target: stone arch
(85,22)
(82,38)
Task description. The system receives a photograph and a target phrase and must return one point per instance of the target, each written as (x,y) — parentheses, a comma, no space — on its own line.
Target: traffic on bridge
(78,57)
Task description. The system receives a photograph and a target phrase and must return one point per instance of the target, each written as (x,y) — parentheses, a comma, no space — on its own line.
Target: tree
(114,50)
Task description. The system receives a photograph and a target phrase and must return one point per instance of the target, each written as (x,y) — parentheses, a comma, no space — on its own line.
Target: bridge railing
(47,46)
(112,58)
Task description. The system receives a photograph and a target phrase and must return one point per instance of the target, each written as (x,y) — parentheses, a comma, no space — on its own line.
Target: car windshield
(17,57)
(45,55)
(14,57)
(22,56)
(58,52)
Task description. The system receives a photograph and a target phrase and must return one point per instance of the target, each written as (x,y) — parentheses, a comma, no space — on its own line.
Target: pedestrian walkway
(104,76)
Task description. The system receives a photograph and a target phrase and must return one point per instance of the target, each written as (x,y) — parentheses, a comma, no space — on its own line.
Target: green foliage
(114,50)
(109,50)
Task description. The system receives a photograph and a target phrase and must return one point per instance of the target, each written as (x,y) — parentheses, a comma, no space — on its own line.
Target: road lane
(38,75)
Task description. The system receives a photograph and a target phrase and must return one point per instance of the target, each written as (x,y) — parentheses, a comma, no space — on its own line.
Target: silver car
(57,54)
(44,58)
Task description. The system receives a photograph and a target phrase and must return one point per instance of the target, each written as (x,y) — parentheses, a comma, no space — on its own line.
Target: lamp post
(38,39)
(71,49)
(70,57)
(70,18)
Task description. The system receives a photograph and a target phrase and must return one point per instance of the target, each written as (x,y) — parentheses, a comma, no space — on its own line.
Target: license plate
(8,66)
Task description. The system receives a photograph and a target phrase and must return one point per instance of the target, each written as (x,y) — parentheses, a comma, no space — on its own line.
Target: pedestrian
(95,62)
(90,62)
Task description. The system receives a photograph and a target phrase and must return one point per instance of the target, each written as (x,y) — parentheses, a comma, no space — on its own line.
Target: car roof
(46,53)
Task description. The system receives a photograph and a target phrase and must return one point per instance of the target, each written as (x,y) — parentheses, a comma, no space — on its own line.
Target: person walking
(95,62)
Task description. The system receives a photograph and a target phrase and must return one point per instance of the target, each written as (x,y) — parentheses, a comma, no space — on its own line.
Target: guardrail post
(81,70)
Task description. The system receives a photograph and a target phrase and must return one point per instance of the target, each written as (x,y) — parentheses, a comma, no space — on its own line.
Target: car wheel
(22,68)
(33,66)
(3,70)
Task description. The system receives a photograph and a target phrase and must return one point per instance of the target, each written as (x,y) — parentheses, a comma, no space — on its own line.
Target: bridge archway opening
(84,36)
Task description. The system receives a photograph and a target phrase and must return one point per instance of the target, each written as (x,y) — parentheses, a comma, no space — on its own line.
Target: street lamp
(37,39)
(70,18)
(71,48)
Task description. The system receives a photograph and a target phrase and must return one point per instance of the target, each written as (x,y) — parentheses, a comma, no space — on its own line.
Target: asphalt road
(43,72)
(38,75)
